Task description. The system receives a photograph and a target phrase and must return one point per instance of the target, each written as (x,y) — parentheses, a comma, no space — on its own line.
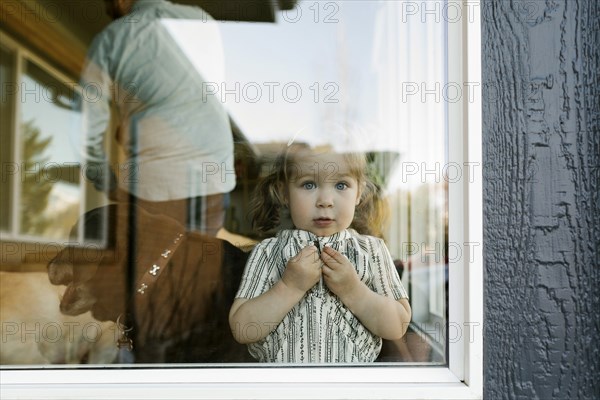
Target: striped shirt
(320,328)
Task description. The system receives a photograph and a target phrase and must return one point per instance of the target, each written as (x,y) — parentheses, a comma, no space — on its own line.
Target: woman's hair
(268,200)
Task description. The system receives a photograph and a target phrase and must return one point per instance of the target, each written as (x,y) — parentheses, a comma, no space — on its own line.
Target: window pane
(50,185)
(355,75)
(366,68)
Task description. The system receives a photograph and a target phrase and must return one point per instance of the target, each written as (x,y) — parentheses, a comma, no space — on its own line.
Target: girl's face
(322,193)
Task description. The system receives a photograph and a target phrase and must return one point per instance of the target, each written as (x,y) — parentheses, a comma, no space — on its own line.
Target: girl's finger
(305,252)
(309,249)
(328,260)
(329,254)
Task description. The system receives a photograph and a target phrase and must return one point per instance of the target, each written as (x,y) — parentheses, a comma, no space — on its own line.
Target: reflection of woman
(321,292)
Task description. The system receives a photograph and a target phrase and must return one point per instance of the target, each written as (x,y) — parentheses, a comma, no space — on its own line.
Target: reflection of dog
(182,314)
(35,332)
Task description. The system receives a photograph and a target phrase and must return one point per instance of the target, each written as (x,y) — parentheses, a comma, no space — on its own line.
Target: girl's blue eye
(308,185)
(341,185)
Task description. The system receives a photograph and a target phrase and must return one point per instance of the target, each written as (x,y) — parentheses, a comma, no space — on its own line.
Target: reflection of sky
(370,53)
(299,51)
(61,124)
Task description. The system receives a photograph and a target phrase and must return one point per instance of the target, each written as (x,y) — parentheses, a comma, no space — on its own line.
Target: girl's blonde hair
(268,200)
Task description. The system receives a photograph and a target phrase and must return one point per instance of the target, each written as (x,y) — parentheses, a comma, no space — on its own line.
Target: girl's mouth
(323,221)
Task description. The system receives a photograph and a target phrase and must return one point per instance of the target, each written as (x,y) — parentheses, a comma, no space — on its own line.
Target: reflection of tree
(35,190)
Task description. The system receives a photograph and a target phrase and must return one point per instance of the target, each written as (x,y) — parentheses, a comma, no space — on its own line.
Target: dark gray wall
(541,199)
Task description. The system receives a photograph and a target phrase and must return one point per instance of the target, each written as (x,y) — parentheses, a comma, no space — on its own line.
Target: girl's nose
(324,199)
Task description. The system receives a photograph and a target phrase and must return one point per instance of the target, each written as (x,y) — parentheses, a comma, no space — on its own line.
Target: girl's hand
(304,270)
(339,274)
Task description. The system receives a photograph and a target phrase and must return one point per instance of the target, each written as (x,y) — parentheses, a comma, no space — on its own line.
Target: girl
(321,292)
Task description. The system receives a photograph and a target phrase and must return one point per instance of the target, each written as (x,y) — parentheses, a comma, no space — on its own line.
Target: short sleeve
(259,273)
(386,280)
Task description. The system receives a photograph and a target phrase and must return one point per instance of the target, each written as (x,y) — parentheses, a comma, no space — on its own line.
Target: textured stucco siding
(541,118)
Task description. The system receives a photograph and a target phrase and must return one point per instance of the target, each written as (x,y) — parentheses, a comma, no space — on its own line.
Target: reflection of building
(408,56)
(415,121)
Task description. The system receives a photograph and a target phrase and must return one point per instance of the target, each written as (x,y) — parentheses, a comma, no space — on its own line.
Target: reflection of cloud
(62,197)
(62,210)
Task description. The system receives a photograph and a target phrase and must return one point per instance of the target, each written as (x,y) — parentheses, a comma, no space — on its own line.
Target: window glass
(376,70)
(50,193)
(361,75)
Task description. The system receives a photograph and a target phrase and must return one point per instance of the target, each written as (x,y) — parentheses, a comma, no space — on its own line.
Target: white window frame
(462,379)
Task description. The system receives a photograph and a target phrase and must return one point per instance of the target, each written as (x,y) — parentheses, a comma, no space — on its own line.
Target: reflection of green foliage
(375,175)
(35,190)
(375,170)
